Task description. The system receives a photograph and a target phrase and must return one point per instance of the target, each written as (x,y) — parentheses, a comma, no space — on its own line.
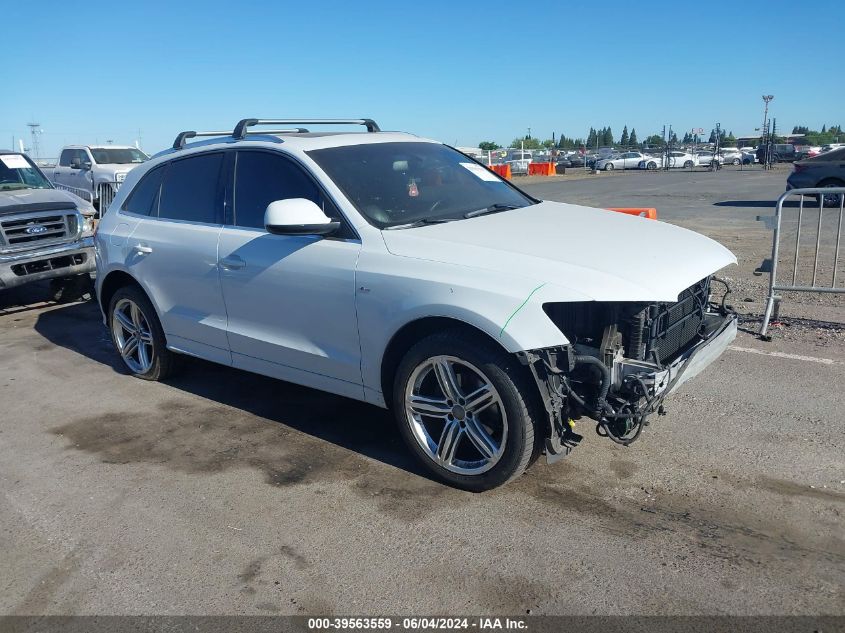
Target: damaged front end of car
(623,359)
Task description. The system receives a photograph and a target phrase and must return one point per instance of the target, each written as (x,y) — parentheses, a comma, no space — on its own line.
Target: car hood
(116,168)
(23,200)
(595,254)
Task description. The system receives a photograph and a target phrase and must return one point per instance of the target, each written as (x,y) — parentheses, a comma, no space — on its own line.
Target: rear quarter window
(144,197)
(191,189)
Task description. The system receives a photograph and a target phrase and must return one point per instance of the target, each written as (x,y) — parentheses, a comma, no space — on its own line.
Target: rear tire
(473,447)
(831,199)
(689,164)
(736,161)
(137,335)
(651,165)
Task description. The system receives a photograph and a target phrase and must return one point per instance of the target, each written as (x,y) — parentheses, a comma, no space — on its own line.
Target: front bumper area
(619,396)
(63,260)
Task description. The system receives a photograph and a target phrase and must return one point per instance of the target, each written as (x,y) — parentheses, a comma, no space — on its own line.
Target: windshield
(18,172)
(401,183)
(117,156)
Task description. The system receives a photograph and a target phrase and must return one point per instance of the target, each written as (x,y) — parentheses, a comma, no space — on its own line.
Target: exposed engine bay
(623,359)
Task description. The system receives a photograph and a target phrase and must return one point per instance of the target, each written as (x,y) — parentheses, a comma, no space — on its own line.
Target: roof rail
(241,128)
(182,137)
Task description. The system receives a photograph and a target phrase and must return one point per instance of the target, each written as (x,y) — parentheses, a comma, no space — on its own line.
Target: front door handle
(142,249)
(233,262)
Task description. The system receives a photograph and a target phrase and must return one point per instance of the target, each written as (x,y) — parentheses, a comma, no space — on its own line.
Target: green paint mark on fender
(521,305)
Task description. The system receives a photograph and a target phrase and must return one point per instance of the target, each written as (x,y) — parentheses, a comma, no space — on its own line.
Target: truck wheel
(467,411)
(137,335)
(68,289)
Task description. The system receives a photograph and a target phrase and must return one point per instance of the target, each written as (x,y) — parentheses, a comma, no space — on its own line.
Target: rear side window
(261,178)
(191,189)
(144,198)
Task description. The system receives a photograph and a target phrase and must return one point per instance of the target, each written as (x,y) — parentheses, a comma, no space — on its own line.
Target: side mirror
(297,216)
(75,163)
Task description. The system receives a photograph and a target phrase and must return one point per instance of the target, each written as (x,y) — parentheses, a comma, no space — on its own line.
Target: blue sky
(460,72)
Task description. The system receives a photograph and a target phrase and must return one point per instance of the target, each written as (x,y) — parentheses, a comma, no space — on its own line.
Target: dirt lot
(221,492)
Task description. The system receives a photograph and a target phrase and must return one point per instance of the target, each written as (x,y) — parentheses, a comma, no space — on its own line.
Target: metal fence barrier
(776,222)
(81,193)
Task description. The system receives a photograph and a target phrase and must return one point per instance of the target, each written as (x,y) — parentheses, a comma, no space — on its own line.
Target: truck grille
(30,230)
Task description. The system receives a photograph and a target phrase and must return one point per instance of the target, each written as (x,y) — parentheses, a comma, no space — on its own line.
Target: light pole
(765,128)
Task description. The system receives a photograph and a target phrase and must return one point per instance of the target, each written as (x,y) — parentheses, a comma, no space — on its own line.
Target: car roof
(298,141)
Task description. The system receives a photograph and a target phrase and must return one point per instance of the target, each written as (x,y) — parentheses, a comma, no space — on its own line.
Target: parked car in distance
(807,151)
(624,160)
(781,153)
(676,159)
(730,156)
(519,161)
(830,147)
(44,233)
(824,170)
(95,172)
(392,269)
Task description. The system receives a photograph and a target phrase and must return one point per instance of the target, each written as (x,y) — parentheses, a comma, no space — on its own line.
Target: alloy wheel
(456,415)
(133,336)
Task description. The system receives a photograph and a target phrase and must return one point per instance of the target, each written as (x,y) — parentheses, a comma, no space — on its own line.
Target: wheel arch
(414,331)
(114,281)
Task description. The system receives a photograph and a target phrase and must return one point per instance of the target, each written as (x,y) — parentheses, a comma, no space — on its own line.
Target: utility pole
(765,141)
(35,130)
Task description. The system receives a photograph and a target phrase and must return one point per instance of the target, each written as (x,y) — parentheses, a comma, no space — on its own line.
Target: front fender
(508,309)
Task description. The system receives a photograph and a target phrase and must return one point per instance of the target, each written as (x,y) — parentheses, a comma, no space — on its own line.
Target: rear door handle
(141,249)
(233,262)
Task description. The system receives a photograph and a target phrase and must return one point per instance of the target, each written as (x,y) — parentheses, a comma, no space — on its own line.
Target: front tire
(466,410)
(688,164)
(137,335)
(608,167)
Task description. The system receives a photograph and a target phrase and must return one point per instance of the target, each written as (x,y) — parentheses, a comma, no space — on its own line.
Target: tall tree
(623,140)
(488,145)
(712,136)
(591,138)
(632,141)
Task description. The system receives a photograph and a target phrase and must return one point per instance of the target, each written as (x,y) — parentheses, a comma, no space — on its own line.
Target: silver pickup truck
(44,233)
(95,172)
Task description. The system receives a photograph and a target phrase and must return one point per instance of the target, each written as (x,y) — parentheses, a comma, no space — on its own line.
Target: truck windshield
(117,156)
(394,184)
(18,172)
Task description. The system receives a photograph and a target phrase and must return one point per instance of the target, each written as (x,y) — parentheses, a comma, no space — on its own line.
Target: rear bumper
(64,260)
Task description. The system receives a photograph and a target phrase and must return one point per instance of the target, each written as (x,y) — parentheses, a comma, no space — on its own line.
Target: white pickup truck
(95,173)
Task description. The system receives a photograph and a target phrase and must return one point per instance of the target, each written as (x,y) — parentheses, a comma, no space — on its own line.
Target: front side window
(144,198)
(117,156)
(392,184)
(191,189)
(64,160)
(262,178)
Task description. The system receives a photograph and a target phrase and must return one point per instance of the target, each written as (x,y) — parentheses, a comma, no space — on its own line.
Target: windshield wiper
(493,208)
(423,222)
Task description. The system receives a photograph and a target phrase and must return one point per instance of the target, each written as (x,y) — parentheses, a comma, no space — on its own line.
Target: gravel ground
(221,492)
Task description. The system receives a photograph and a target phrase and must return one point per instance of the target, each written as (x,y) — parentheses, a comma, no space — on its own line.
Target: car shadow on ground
(770,204)
(355,426)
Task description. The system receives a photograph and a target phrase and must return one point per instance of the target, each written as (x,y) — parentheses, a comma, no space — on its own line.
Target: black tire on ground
(736,161)
(689,164)
(68,289)
(518,395)
(608,167)
(831,200)
(651,165)
(163,360)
